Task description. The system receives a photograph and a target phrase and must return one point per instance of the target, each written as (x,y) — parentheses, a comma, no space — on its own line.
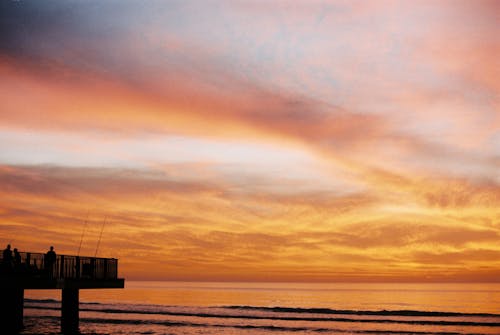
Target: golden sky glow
(246,140)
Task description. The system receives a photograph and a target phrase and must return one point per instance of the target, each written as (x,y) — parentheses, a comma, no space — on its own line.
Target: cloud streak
(209,224)
(384,116)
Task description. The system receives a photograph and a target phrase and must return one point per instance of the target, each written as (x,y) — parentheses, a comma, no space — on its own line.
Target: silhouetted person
(7,259)
(7,254)
(17,259)
(49,261)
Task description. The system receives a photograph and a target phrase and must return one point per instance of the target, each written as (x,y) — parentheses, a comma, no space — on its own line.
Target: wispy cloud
(271,135)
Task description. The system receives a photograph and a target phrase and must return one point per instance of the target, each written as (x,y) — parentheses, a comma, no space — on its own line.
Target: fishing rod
(100,235)
(83,233)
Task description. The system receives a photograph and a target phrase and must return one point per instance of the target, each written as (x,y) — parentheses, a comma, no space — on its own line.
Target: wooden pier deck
(68,274)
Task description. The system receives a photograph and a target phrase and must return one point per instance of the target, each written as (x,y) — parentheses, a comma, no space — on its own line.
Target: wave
(300,310)
(379,316)
(42,301)
(354,312)
(53,301)
(257,327)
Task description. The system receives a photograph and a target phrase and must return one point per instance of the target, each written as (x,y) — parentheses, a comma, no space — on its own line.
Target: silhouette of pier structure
(68,274)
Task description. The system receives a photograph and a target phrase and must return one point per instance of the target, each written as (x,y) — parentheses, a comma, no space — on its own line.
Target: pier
(67,273)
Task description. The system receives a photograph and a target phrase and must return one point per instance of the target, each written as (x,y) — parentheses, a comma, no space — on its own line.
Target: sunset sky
(255,140)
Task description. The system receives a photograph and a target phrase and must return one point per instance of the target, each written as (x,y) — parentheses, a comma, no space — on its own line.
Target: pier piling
(11,309)
(70,311)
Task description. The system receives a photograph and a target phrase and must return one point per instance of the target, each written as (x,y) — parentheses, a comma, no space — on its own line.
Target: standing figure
(49,261)
(17,259)
(7,259)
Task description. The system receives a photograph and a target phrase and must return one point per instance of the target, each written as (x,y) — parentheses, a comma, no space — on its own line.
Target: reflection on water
(425,297)
(250,308)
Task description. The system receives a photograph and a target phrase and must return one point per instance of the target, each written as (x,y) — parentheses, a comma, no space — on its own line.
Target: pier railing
(64,267)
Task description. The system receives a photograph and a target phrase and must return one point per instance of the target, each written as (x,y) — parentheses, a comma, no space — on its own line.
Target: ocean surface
(274,308)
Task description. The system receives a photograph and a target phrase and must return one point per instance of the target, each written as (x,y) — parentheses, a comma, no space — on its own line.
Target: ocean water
(274,308)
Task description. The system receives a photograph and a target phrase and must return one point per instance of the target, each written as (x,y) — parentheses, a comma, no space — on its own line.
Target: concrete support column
(11,309)
(69,311)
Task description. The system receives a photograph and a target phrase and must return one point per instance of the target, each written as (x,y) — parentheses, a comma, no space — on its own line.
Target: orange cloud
(399,114)
(206,231)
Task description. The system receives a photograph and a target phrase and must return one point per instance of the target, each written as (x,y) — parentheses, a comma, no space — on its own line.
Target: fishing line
(100,235)
(83,233)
